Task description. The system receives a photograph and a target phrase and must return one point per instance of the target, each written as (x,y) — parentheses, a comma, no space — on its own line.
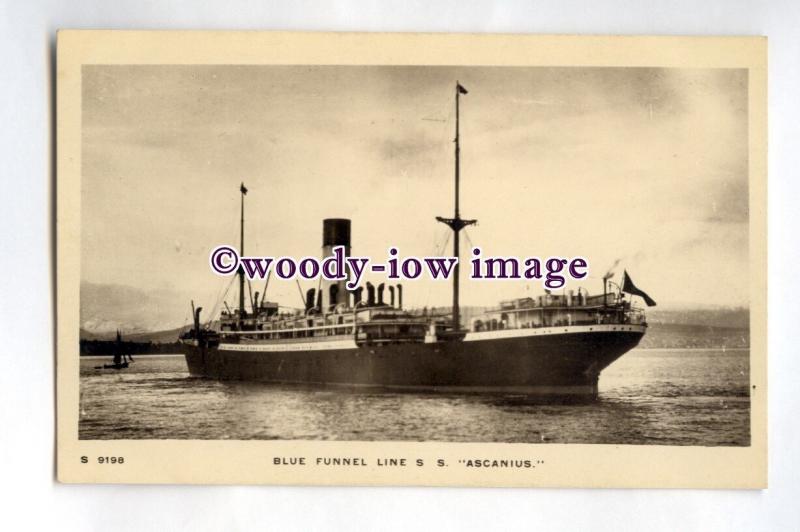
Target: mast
(456,223)
(243,191)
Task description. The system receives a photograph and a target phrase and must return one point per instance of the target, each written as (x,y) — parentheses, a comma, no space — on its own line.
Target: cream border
(249,462)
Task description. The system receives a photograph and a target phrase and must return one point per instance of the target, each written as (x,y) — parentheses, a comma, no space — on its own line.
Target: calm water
(671,397)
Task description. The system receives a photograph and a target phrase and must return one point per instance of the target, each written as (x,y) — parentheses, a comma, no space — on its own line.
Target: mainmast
(243,191)
(456,223)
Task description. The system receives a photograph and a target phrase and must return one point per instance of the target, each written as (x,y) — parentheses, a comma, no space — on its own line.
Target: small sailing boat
(121,359)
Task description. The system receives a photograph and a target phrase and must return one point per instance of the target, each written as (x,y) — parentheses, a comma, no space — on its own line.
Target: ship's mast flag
(630,288)
(243,189)
(461,89)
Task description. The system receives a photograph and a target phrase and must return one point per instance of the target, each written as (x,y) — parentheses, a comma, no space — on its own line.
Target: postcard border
(249,462)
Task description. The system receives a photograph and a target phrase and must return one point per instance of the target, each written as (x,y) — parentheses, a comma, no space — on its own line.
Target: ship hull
(567,361)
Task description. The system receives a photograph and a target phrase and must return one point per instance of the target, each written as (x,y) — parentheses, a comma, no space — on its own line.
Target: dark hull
(556,364)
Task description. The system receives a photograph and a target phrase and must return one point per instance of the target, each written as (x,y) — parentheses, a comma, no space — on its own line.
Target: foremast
(243,191)
(456,223)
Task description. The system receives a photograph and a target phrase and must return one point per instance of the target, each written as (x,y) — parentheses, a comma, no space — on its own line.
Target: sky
(646,167)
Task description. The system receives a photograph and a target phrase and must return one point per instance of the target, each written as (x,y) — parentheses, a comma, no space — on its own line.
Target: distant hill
(720,327)
(166,336)
(107,307)
(682,336)
(736,317)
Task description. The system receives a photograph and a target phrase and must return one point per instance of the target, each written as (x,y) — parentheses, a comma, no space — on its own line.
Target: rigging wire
(266,285)
(441,131)
(438,249)
(444,244)
(300,289)
(469,240)
(214,309)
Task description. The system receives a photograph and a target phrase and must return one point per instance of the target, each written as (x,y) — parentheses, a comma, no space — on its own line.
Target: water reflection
(664,397)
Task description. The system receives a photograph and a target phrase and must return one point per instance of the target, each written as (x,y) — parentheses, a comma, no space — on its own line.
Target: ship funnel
(334,299)
(255,302)
(391,295)
(310,298)
(399,296)
(357,295)
(380,293)
(319,301)
(196,320)
(370,294)
(335,232)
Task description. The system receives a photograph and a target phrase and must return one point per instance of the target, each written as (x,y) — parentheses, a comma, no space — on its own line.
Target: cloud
(645,164)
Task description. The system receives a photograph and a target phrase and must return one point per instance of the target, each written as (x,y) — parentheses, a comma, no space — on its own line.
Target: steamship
(556,344)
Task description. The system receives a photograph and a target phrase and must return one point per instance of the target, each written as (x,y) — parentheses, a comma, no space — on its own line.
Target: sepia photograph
(545,255)
(643,171)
